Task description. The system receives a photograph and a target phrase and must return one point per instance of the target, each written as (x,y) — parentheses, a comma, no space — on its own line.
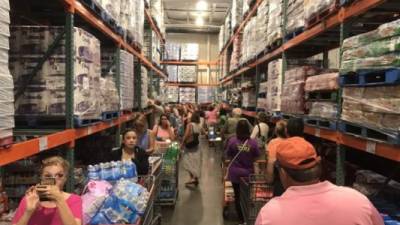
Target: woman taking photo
(192,153)
(49,204)
(242,151)
(163,130)
(130,151)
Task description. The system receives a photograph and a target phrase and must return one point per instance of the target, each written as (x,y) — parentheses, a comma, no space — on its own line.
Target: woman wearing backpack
(192,154)
(260,131)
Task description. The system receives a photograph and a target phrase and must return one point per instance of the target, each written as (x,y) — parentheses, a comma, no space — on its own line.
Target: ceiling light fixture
(201,5)
(199,21)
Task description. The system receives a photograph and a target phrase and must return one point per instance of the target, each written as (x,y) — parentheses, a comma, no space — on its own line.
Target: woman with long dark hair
(243,152)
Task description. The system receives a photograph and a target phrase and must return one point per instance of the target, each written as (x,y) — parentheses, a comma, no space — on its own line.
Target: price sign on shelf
(371,147)
(43,144)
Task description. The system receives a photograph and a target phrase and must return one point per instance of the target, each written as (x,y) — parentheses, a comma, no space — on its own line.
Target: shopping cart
(228,194)
(255,192)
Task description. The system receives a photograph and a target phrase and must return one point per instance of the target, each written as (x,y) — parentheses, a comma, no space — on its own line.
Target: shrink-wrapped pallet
(172,94)
(190,51)
(275,21)
(274,85)
(172,71)
(236,53)
(295,16)
(374,49)
(312,7)
(236,12)
(375,107)
(45,95)
(221,38)
(325,110)
(113,8)
(172,51)
(371,63)
(293,95)
(109,95)
(187,95)
(262,26)
(249,44)
(187,74)
(384,31)
(249,98)
(205,94)
(322,82)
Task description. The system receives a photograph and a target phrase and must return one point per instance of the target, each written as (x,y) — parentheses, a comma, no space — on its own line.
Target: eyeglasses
(57,175)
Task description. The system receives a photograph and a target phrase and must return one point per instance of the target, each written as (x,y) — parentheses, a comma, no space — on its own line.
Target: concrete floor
(202,205)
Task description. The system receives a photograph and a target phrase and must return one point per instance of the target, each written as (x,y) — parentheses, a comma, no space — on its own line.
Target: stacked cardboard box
(236,53)
(311,7)
(45,95)
(374,50)
(144,86)
(293,95)
(172,51)
(205,94)
(274,85)
(187,74)
(6,81)
(126,75)
(172,71)
(236,12)
(190,51)
(295,15)
(275,21)
(262,26)
(187,95)
(172,94)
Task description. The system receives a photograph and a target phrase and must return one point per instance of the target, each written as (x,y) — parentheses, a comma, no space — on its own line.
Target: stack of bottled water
(113,171)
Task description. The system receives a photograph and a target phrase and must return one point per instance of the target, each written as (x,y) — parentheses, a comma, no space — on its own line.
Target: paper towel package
(205,94)
(49,100)
(172,51)
(187,74)
(274,85)
(172,71)
(190,51)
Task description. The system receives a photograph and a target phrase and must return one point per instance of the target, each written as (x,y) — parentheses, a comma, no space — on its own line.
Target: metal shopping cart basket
(255,192)
(228,194)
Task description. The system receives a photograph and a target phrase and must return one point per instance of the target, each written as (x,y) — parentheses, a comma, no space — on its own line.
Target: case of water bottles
(113,171)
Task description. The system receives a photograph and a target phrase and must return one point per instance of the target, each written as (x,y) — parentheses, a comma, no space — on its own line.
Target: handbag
(233,160)
(193,140)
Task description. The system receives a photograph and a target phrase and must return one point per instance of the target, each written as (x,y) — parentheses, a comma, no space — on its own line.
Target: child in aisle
(56,207)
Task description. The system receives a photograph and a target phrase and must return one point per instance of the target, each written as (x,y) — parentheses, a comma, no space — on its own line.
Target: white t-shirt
(264,130)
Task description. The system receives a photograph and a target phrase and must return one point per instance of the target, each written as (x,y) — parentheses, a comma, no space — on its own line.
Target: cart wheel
(225,212)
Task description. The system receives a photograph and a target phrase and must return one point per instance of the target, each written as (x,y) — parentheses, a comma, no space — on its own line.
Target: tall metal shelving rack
(72,10)
(327,34)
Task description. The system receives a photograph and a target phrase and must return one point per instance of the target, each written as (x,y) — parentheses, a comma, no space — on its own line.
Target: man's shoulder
(272,208)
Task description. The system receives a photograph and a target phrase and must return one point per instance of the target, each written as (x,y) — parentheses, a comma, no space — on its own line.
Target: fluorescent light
(199,21)
(201,5)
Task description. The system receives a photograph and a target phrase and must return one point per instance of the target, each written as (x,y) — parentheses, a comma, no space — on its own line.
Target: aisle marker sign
(371,147)
(43,144)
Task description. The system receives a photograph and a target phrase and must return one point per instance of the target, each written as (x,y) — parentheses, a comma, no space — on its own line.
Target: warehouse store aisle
(202,205)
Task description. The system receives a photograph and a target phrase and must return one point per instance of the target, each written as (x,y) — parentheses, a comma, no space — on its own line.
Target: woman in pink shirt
(212,116)
(48,204)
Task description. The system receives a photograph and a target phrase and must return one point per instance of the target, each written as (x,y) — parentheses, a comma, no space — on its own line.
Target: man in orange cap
(307,200)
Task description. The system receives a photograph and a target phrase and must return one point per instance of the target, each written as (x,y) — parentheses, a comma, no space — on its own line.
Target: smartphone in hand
(45,182)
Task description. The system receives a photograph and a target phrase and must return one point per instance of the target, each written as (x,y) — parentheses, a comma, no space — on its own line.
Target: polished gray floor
(202,205)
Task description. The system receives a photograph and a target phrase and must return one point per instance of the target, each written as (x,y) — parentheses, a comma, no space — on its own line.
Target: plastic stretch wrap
(109,95)
(221,38)
(326,110)
(172,71)
(249,98)
(187,74)
(373,49)
(131,18)
(228,29)
(190,51)
(236,12)
(262,103)
(295,18)
(311,7)
(6,80)
(293,100)
(172,94)
(205,94)
(249,45)
(375,107)
(46,94)
(275,21)
(262,26)
(323,82)
(113,8)
(274,85)
(246,7)
(144,86)
(386,30)
(172,51)
(187,95)
(371,63)
(126,75)
(236,53)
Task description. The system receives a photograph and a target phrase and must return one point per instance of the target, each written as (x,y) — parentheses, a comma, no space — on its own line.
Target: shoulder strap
(259,130)
(234,158)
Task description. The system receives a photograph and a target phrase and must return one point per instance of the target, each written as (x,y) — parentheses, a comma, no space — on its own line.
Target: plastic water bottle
(115,171)
(93,173)
(130,168)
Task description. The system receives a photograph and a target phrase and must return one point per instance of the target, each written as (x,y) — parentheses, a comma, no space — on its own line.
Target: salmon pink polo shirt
(319,204)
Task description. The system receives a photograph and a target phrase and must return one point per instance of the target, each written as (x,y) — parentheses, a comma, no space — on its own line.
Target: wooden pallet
(371,78)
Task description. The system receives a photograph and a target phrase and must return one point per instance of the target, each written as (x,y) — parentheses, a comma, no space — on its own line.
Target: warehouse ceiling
(180,16)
